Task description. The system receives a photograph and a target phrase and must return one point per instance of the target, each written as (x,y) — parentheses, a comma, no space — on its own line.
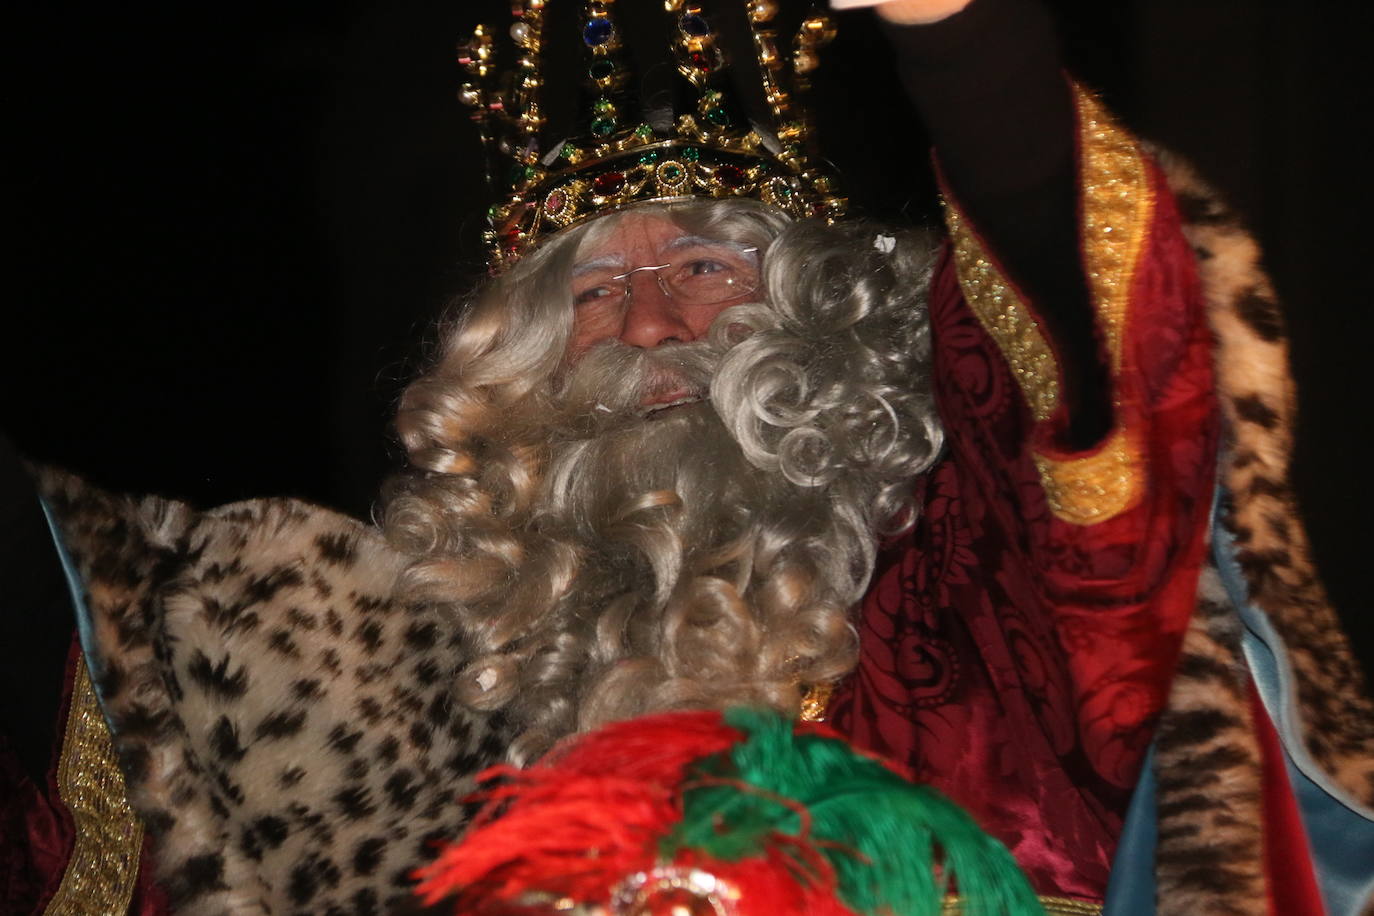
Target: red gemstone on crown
(701,60)
(608,184)
(732,176)
(556,201)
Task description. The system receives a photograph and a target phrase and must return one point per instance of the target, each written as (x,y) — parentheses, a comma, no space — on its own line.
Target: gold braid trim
(1054,906)
(1117,205)
(1005,317)
(103,867)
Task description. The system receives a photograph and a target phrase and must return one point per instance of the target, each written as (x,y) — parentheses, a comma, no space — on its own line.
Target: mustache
(614,382)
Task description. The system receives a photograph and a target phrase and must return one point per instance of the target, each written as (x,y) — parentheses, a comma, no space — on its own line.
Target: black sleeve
(988,84)
(36,620)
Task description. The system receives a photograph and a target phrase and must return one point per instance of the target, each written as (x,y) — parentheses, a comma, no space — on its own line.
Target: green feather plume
(882,835)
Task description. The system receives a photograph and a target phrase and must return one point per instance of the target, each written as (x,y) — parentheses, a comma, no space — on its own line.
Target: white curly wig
(603,565)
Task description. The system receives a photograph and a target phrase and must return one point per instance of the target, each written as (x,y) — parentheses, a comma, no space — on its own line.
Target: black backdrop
(236,222)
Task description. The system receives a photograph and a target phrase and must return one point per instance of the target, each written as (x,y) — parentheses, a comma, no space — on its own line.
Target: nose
(651,318)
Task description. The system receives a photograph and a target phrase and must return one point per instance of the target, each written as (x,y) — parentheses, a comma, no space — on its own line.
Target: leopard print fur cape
(285,726)
(1210,850)
(290,741)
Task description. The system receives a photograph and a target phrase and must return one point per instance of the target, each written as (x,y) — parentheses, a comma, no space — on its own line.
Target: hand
(919,12)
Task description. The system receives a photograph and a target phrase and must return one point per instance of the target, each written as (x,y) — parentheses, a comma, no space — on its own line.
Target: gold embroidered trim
(1005,317)
(816,702)
(103,868)
(1118,206)
(1054,906)
(1084,491)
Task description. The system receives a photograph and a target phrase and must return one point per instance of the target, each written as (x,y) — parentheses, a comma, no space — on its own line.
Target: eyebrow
(602,263)
(689,241)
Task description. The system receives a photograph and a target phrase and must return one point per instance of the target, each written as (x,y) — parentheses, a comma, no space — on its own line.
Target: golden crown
(611,161)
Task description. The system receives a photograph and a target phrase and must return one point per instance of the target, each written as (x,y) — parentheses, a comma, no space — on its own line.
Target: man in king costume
(1010,509)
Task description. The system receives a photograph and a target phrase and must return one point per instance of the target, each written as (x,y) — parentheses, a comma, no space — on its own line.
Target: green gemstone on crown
(691,154)
(647,158)
(603,127)
(603,105)
(718,116)
(644,131)
(601,69)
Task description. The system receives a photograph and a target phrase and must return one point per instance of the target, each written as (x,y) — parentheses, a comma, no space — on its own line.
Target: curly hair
(602,564)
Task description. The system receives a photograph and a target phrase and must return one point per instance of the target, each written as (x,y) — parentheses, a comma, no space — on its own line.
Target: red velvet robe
(1017,644)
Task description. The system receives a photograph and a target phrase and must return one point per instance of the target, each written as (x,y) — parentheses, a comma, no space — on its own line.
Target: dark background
(237,222)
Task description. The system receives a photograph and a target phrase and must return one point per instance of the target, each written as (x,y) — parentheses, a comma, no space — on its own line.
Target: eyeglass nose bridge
(656,268)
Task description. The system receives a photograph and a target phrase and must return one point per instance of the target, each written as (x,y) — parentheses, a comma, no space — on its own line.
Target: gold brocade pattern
(1117,207)
(1005,317)
(103,867)
(1054,906)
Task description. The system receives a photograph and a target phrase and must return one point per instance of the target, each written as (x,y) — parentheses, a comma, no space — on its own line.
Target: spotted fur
(1210,854)
(286,727)
(1209,857)
(1259,402)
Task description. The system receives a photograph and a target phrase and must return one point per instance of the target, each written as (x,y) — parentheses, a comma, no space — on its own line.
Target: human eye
(701,266)
(593,294)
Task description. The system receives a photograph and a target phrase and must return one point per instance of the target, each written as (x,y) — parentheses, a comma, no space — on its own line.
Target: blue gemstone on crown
(597,32)
(694,24)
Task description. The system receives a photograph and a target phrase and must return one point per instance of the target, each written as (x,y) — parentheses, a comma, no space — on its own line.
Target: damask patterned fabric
(1016,660)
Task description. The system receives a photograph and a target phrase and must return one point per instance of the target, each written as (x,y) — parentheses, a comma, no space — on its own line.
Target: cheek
(699,318)
(591,325)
